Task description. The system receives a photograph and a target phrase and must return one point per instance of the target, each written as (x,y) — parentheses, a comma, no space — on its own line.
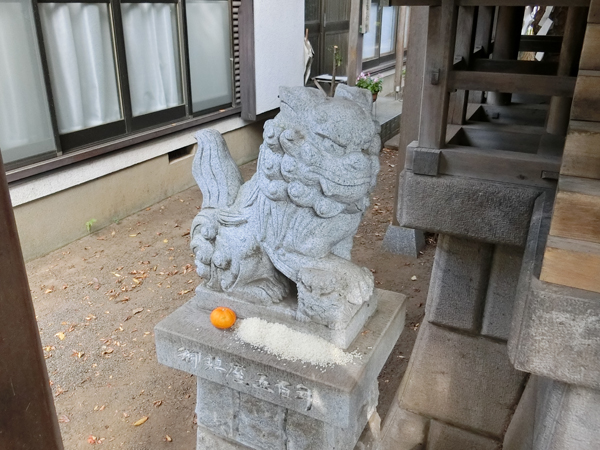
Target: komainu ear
(361,96)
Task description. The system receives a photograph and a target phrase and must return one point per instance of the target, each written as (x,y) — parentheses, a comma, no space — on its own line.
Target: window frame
(83,144)
(386,59)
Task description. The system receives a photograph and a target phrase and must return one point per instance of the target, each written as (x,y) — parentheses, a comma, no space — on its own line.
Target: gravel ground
(97,301)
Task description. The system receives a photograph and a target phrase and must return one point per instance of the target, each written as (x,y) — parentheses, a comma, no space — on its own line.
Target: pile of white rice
(283,342)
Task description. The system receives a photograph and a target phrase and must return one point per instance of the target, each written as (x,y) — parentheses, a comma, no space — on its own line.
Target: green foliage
(373,84)
(88,225)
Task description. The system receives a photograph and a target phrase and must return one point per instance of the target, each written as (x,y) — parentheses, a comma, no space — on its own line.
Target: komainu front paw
(332,296)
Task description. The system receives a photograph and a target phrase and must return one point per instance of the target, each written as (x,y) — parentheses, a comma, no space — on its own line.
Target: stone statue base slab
(250,399)
(285,312)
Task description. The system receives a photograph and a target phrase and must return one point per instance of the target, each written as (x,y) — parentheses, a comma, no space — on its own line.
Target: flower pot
(374,96)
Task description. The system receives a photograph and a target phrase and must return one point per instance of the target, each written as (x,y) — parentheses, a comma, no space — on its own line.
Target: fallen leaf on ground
(62,418)
(414,278)
(60,335)
(91,439)
(157,403)
(168,438)
(141,421)
(137,310)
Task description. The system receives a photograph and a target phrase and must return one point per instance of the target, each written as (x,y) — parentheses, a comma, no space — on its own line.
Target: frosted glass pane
(25,126)
(152,51)
(81,60)
(370,38)
(209,41)
(388,30)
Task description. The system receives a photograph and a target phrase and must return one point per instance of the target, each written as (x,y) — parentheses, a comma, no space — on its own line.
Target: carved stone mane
(294,221)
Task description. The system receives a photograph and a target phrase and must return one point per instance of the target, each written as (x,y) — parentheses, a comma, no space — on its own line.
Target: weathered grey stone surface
(403,241)
(555,330)
(461,379)
(295,219)
(557,416)
(487,211)
(262,425)
(403,430)
(425,161)
(207,440)
(559,334)
(285,312)
(458,283)
(520,431)
(445,437)
(501,291)
(187,341)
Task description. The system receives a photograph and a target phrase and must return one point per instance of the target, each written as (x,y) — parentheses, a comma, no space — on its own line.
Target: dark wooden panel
(513,66)
(27,412)
(550,44)
(513,83)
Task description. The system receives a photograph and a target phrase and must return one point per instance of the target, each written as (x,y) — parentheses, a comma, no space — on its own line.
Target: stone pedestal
(248,399)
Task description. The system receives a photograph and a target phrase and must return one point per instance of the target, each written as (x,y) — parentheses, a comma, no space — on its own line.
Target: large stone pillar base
(248,399)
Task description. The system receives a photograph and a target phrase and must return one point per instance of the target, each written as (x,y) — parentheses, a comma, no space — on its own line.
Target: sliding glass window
(83,74)
(26,131)
(209,40)
(379,44)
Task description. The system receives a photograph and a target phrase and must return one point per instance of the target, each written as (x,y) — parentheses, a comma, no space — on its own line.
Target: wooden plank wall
(572,256)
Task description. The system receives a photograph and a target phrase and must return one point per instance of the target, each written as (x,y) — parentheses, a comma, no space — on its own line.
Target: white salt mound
(282,341)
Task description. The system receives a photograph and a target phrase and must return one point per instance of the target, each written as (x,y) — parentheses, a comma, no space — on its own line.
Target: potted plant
(373,84)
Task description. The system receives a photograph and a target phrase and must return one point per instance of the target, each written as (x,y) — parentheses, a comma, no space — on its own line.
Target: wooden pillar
(441,34)
(413,83)
(355,43)
(506,43)
(27,415)
(401,31)
(560,107)
(463,51)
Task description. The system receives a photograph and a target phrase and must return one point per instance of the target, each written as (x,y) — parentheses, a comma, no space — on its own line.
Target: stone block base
(243,420)
(555,416)
(248,399)
(403,241)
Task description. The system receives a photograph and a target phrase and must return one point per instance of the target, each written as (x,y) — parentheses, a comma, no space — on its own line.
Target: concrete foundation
(52,211)
(249,399)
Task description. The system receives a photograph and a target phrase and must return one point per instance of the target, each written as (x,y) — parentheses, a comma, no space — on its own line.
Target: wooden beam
(594,16)
(27,414)
(574,268)
(581,157)
(586,104)
(514,66)
(550,44)
(577,210)
(514,83)
(441,33)
(494,165)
